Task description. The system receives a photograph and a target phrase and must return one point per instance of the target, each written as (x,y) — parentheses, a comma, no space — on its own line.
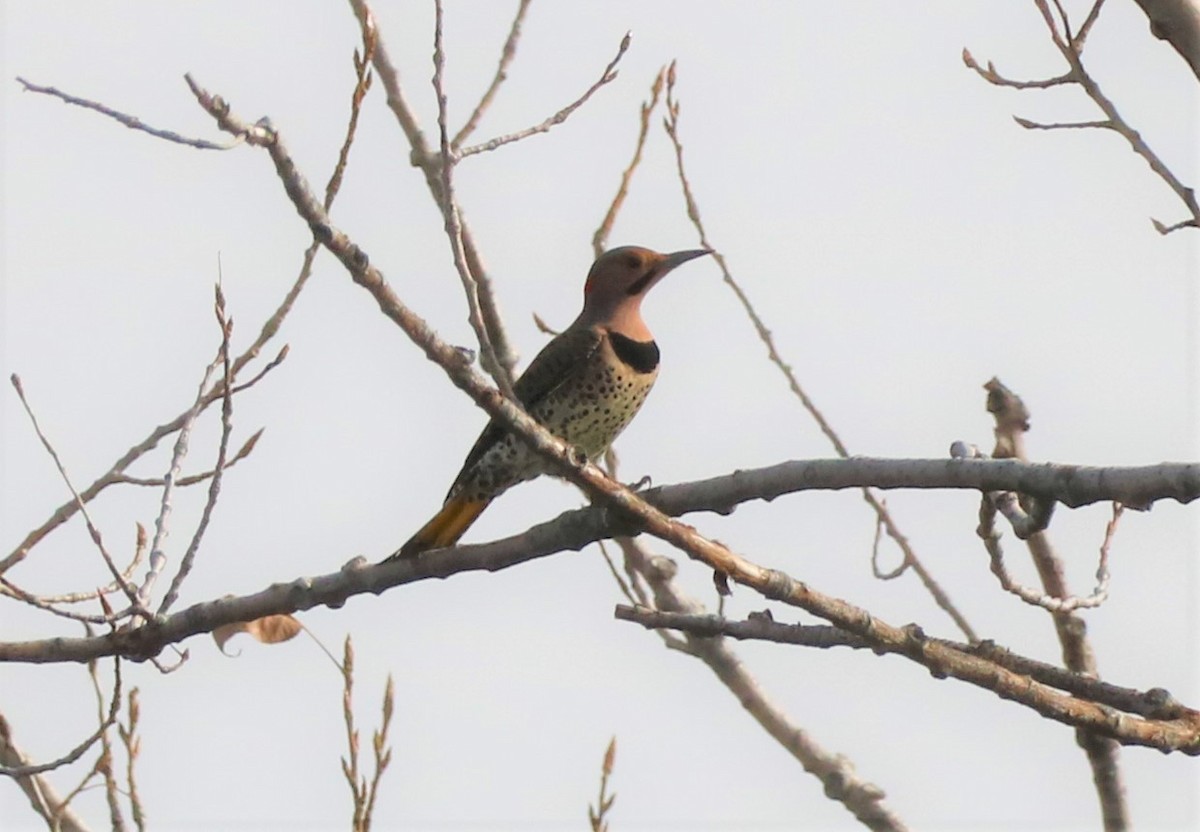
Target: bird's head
(622,276)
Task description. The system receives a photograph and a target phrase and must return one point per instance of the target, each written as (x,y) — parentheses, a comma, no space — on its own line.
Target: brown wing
(565,355)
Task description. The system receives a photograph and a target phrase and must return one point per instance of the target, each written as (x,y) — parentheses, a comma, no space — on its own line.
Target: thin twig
(1070,46)
(598,815)
(430,164)
(1088,22)
(45,605)
(132,122)
(350,761)
(382,751)
(506,58)
(1105,124)
(158,558)
(600,238)
(993,76)
(78,751)
(452,223)
(104,764)
(362,74)
(875,548)
(671,124)
(126,587)
(1013,419)
(364,792)
(609,75)
(214,487)
(612,568)
(43,797)
(195,479)
(139,554)
(133,745)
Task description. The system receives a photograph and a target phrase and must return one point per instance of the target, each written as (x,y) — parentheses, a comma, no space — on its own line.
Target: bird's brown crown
(627,270)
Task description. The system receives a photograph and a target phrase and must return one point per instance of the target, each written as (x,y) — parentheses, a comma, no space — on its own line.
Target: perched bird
(585,386)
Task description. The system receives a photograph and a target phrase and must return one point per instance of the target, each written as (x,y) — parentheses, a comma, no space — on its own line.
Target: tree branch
(836,773)
(506,57)
(1012,418)
(429,163)
(1153,704)
(43,797)
(132,122)
(1178,23)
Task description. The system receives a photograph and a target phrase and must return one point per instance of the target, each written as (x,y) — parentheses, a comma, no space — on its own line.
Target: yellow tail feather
(446,527)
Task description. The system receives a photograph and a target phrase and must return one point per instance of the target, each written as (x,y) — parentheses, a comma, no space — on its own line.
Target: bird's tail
(446,527)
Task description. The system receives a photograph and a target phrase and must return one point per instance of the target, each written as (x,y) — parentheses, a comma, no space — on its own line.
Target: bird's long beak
(678,258)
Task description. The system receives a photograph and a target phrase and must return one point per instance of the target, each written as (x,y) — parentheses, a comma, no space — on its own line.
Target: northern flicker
(585,386)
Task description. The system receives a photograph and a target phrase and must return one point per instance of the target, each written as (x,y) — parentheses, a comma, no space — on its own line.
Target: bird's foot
(641,484)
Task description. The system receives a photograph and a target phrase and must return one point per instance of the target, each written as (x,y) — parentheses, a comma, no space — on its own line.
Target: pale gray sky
(904,240)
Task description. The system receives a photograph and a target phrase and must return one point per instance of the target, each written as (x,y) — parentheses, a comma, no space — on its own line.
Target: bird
(585,386)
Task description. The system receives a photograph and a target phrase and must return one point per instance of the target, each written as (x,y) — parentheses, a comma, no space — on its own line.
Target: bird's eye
(633,261)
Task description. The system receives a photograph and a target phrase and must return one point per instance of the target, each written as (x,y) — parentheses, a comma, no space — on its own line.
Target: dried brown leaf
(270,629)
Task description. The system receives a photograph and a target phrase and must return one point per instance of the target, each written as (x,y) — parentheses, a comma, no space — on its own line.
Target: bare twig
(1070,46)
(78,751)
(350,761)
(609,75)
(430,164)
(104,764)
(600,238)
(612,568)
(1012,423)
(194,479)
(452,222)
(139,554)
(1064,125)
(1051,603)
(17,593)
(158,558)
(381,750)
(42,795)
(598,814)
(362,74)
(133,746)
(214,487)
(125,586)
(671,124)
(875,570)
(993,76)
(132,122)
(363,791)
(506,58)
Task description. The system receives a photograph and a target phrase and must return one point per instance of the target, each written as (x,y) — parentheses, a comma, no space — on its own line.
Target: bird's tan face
(630,271)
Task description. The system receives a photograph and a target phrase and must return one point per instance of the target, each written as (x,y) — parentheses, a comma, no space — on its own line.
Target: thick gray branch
(1178,23)
(1071,485)
(572,530)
